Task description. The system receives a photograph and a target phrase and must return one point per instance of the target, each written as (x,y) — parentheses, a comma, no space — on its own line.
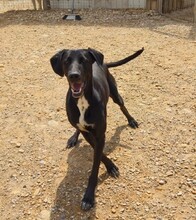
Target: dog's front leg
(89,196)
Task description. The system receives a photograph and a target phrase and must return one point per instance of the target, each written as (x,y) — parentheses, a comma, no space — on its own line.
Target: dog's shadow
(71,189)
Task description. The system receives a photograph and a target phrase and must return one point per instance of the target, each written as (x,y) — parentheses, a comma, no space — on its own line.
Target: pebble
(170,173)
(193,192)
(179,194)
(45,35)
(44,215)
(162,182)
(18,145)
(113,210)
(37,192)
(194,182)
(53,123)
(21,151)
(32,61)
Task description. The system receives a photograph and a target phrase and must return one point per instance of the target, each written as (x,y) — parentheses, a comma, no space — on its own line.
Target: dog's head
(76,65)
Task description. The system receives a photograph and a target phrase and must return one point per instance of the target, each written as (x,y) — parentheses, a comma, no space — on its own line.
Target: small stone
(44,215)
(53,123)
(18,145)
(113,210)
(170,173)
(42,162)
(45,35)
(32,61)
(169,109)
(47,200)
(37,191)
(122,210)
(179,194)
(24,194)
(21,151)
(162,182)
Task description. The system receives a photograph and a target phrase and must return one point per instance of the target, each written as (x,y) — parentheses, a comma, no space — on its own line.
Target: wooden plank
(148,4)
(154,5)
(122,4)
(166,6)
(170,5)
(194,19)
(174,4)
(160,6)
(179,4)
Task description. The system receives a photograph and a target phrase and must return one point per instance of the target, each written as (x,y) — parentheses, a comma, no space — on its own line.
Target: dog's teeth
(76,91)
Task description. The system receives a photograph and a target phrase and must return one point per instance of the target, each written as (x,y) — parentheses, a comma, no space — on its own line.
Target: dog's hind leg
(112,169)
(72,141)
(119,100)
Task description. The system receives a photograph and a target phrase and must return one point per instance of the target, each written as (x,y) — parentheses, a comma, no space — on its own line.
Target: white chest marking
(83,106)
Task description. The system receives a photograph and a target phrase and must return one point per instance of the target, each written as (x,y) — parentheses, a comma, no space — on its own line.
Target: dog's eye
(81,60)
(68,60)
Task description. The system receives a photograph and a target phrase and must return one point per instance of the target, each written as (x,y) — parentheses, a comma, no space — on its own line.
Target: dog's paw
(87,204)
(114,172)
(72,141)
(133,123)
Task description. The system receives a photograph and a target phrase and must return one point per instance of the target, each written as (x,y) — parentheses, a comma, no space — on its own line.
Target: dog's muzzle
(76,84)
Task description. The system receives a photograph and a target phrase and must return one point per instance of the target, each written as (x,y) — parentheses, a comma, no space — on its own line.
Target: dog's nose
(74,76)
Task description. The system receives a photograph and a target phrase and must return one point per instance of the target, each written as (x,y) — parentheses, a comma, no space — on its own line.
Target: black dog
(90,85)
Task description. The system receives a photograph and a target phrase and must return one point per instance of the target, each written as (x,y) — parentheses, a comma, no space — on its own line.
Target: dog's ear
(97,56)
(56,63)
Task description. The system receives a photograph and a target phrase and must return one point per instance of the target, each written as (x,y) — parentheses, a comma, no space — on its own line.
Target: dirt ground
(42,180)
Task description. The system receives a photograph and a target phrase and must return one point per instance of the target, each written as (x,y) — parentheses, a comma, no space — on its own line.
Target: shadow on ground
(72,187)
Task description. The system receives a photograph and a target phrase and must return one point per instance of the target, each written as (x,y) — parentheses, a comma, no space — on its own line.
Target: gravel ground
(40,179)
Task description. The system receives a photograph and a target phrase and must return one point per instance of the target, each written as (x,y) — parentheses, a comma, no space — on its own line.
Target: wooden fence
(173,5)
(162,6)
(110,4)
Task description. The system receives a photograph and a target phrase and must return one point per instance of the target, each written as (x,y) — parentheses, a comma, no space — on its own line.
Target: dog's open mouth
(77,89)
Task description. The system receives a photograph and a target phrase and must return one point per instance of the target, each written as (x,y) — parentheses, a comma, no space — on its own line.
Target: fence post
(194,13)
(160,6)
(46,5)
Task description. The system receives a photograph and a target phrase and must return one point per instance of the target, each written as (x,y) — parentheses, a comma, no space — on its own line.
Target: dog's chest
(83,106)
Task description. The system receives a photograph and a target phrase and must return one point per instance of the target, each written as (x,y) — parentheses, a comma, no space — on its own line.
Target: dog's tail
(125,60)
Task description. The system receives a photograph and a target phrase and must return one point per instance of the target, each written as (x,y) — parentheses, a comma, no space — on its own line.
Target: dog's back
(100,83)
